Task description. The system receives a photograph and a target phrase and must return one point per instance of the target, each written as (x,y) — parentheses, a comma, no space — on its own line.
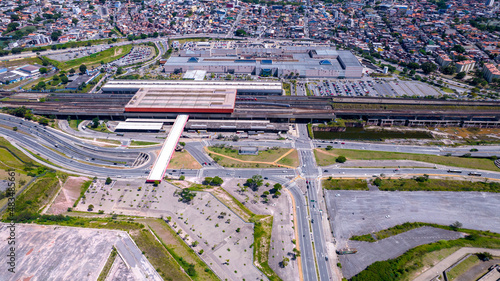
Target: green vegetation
(73,124)
(286,87)
(310,130)
(83,189)
(340,184)
(185,195)
(265,158)
(262,230)
(215,181)
(140,143)
(263,226)
(35,197)
(403,266)
(105,56)
(474,163)
(159,257)
(101,127)
(462,267)
(181,252)
(417,183)
(107,266)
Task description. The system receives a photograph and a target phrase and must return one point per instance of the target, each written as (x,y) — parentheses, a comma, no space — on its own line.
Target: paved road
(483,150)
(450,260)
(311,173)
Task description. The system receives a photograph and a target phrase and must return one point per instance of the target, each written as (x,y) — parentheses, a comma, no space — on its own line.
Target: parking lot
(136,55)
(72,54)
(361,212)
(371,88)
(224,237)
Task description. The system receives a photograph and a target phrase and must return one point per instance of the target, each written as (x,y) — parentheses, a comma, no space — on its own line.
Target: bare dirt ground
(183,160)
(68,195)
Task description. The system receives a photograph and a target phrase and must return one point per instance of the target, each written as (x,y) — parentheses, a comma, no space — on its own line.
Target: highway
(483,150)
(311,172)
(72,154)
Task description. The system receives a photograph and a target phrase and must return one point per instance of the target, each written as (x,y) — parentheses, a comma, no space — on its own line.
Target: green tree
(341,159)
(284,262)
(55,35)
(95,122)
(255,182)
(83,68)
(377,181)
(460,75)
(458,48)
(108,180)
(72,71)
(43,121)
(74,21)
(12,26)
(456,225)
(43,70)
(91,207)
(240,32)
(449,70)
(428,67)
(119,70)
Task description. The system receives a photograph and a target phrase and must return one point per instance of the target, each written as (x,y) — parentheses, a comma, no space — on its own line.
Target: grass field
(463,267)
(291,159)
(437,185)
(158,256)
(21,62)
(474,163)
(101,128)
(178,249)
(105,56)
(324,157)
(342,184)
(286,87)
(183,160)
(39,193)
(265,159)
(73,124)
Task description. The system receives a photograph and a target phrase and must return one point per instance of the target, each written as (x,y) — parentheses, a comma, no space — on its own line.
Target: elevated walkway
(167,150)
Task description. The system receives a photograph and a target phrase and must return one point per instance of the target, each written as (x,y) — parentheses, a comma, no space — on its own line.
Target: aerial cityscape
(239,140)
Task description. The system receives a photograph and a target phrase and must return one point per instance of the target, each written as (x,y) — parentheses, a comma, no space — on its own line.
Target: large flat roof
(180,99)
(174,84)
(139,126)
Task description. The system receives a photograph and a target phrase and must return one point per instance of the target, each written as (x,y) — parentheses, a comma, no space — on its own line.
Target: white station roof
(139,126)
(167,150)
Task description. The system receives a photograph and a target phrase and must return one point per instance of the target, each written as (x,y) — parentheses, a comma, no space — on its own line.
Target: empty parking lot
(360,212)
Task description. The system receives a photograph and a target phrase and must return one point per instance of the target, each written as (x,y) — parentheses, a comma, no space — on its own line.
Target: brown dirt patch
(183,160)
(68,195)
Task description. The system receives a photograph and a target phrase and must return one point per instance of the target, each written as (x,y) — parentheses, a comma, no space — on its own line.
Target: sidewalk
(450,260)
